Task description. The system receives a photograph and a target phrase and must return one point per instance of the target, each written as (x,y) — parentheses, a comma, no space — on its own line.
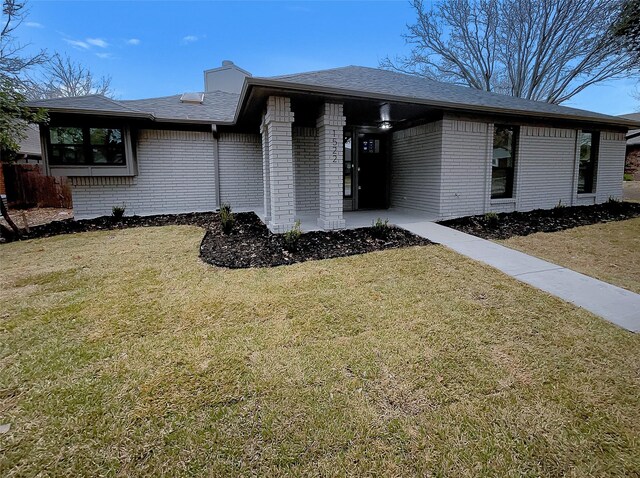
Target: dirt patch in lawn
(250,244)
(506,225)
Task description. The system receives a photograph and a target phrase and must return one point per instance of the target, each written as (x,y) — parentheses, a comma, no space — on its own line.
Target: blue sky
(153,48)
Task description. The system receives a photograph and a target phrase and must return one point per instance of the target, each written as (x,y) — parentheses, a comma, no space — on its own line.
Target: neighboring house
(632,163)
(316,144)
(30,148)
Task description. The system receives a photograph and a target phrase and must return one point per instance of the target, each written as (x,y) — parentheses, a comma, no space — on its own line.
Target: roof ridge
(119,103)
(308,72)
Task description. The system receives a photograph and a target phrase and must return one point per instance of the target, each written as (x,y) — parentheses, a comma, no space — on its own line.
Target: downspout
(216,163)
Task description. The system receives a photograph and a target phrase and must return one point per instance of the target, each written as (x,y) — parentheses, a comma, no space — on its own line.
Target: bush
(628,177)
(380,227)
(491,218)
(118,211)
(292,237)
(227,218)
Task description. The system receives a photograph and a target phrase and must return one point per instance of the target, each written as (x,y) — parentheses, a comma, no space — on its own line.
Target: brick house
(318,144)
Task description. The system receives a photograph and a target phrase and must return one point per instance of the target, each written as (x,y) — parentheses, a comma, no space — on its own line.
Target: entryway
(366,179)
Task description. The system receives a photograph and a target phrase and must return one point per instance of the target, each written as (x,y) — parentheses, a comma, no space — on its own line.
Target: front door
(372,169)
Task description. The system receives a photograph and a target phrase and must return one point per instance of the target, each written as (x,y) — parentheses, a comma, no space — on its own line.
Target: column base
(328,224)
(280,227)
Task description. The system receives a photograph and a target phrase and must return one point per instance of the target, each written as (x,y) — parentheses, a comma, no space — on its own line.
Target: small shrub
(614,205)
(380,227)
(491,218)
(227,219)
(560,205)
(292,237)
(628,177)
(118,211)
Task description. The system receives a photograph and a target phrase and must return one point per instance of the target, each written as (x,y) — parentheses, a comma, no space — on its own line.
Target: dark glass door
(372,168)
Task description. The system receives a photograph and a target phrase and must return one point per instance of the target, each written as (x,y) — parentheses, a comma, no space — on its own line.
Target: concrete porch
(357,219)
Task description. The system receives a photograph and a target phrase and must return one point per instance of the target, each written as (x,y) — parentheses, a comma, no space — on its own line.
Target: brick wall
(306,178)
(175,174)
(545,173)
(465,156)
(632,163)
(415,167)
(611,159)
(546,163)
(240,163)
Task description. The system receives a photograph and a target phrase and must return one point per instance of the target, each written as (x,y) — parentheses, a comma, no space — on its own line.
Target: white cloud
(78,44)
(97,42)
(33,25)
(189,39)
(104,55)
(133,41)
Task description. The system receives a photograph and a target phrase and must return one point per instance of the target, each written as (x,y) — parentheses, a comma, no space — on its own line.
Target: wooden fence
(28,187)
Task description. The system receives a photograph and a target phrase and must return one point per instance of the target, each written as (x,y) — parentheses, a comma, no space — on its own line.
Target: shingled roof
(88,104)
(217,107)
(384,84)
(633,136)
(350,81)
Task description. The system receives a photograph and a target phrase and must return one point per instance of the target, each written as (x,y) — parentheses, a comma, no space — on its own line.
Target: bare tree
(13,60)
(546,50)
(63,77)
(627,27)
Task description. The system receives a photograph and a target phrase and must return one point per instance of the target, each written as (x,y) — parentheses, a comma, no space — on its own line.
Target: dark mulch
(70,226)
(252,245)
(543,220)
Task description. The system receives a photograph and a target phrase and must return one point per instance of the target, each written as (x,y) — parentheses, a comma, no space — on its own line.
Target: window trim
(510,195)
(129,168)
(594,159)
(87,146)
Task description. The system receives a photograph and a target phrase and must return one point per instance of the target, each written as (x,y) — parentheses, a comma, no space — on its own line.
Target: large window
(86,146)
(588,162)
(503,162)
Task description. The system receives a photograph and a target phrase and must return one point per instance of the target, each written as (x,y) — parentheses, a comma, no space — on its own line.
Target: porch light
(385,124)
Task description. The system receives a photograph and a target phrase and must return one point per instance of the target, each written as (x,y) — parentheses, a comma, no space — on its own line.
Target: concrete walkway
(617,305)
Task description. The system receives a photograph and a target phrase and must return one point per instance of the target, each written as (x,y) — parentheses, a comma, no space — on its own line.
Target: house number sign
(334,143)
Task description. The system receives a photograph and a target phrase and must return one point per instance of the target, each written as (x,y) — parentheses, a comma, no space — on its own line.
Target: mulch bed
(250,244)
(511,224)
(105,223)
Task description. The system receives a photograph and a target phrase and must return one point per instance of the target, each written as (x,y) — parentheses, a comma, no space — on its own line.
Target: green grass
(608,251)
(122,354)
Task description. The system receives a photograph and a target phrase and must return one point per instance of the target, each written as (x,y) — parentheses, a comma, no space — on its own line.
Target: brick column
(278,121)
(330,135)
(264,131)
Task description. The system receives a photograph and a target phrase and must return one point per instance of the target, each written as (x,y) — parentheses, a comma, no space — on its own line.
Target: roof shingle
(367,80)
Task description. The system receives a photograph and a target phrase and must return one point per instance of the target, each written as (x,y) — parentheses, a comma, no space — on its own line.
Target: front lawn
(609,251)
(121,353)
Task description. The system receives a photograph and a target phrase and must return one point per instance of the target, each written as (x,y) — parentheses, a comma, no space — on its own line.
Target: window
(348,167)
(503,162)
(86,146)
(588,162)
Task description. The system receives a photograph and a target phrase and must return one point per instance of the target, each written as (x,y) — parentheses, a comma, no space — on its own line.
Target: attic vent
(195,98)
